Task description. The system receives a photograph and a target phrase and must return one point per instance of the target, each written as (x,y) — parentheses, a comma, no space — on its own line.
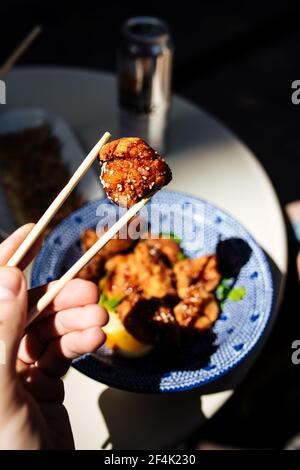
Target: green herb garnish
(103,298)
(225,291)
(181,256)
(237,294)
(110,304)
(224,288)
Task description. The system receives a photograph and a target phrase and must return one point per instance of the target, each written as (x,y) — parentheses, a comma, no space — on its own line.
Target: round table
(208,161)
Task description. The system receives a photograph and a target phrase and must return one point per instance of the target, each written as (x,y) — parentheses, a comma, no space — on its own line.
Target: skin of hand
(32,415)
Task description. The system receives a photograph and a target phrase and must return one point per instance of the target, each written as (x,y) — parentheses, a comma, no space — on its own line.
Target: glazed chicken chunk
(196,281)
(131,170)
(199,309)
(155,277)
(169,249)
(147,269)
(94,270)
(122,276)
(192,271)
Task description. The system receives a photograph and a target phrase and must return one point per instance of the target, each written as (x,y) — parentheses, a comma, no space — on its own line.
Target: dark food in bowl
(131,170)
(156,297)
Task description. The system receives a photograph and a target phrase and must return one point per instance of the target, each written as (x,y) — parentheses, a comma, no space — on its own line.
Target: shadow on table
(149,421)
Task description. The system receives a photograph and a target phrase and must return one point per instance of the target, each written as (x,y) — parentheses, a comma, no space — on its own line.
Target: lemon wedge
(122,342)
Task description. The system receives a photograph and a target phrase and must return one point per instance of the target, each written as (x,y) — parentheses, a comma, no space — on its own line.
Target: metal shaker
(144,79)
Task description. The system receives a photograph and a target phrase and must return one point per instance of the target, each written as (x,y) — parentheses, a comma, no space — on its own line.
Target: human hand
(32,415)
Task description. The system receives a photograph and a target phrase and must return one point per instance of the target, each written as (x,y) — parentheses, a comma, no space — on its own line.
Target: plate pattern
(234,335)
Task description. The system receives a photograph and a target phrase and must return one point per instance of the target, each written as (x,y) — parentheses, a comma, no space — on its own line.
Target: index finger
(10,245)
(77,293)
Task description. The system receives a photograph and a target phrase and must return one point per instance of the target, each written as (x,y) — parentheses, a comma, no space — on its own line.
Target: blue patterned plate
(207,229)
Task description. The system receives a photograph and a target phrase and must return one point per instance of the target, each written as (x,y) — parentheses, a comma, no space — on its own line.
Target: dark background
(237,59)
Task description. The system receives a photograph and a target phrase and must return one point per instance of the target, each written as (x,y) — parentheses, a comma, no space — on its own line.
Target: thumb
(13,308)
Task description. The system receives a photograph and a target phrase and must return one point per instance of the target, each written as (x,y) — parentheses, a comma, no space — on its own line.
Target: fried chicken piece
(188,272)
(132,170)
(198,310)
(192,271)
(127,304)
(190,308)
(122,278)
(167,246)
(211,276)
(136,269)
(94,270)
(155,278)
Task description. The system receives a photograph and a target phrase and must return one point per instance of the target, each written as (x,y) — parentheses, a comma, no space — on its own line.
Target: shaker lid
(146,30)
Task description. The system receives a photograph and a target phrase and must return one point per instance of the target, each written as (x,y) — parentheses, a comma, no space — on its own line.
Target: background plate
(71,152)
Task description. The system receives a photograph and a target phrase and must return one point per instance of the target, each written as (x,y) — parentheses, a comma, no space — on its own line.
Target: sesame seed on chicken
(131,170)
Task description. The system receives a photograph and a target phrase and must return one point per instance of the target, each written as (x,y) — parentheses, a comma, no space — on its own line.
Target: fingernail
(10,283)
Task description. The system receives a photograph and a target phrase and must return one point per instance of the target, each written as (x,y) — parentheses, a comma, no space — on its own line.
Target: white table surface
(208,161)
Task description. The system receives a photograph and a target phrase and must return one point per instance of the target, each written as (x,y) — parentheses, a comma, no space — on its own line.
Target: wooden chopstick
(12,59)
(86,258)
(40,226)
